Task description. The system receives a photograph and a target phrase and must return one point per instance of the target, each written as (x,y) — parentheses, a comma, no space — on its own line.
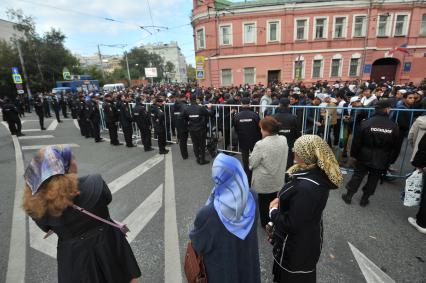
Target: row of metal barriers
(336,125)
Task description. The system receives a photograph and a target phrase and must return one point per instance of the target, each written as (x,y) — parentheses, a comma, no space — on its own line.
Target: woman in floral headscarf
(88,250)
(297,212)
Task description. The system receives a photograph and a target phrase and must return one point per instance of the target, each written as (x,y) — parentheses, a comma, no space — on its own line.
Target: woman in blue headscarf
(225,228)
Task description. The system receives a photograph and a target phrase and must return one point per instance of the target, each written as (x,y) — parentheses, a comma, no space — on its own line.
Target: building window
(383,25)
(320,28)
(302,29)
(226,77)
(201,39)
(299,69)
(274,31)
(340,27)
(360,26)
(250,33)
(354,67)
(423,28)
(336,64)
(317,68)
(401,24)
(249,76)
(225,35)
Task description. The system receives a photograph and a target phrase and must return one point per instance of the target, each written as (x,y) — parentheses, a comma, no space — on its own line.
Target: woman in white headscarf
(225,228)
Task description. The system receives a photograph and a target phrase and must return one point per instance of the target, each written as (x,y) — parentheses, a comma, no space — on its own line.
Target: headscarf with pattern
(314,151)
(54,160)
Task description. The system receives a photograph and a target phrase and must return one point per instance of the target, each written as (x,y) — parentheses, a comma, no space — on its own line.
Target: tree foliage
(190,73)
(45,55)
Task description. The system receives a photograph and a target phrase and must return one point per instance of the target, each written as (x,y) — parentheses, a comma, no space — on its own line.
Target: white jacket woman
(418,129)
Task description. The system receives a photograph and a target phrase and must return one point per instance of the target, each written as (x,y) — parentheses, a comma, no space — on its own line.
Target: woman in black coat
(419,162)
(297,212)
(88,250)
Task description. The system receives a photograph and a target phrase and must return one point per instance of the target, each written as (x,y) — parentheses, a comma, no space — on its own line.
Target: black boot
(347,198)
(203,160)
(364,201)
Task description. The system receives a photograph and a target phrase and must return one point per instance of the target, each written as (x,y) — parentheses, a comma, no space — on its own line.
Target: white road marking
(371,272)
(22,122)
(36,137)
(130,176)
(31,130)
(52,125)
(34,147)
(141,216)
(18,243)
(172,266)
(46,246)
(76,124)
(5,124)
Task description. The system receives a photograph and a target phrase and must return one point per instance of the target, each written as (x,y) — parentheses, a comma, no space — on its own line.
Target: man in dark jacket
(289,127)
(111,119)
(246,124)
(94,117)
(46,106)
(181,125)
(63,103)
(142,119)
(38,105)
(82,112)
(11,116)
(159,123)
(374,147)
(56,107)
(126,120)
(197,118)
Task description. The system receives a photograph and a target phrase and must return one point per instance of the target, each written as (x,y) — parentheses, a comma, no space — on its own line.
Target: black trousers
(57,115)
(336,132)
(199,143)
(264,200)
(359,173)
(145,137)
(41,120)
(290,158)
(421,214)
(113,135)
(96,130)
(128,133)
(245,154)
(183,142)
(161,138)
(64,111)
(15,126)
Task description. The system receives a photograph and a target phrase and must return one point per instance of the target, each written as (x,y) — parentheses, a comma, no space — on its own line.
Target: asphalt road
(380,231)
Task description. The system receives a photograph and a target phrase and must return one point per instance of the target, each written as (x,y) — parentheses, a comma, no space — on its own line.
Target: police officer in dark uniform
(73,104)
(142,119)
(82,117)
(181,125)
(94,117)
(11,116)
(56,107)
(159,123)
(63,103)
(197,118)
(246,124)
(38,105)
(289,127)
(46,106)
(374,147)
(126,120)
(111,119)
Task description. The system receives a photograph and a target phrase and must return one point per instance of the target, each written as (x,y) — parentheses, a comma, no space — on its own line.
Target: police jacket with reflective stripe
(197,117)
(181,124)
(289,125)
(246,125)
(141,116)
(298,220)
(375,144)
(157,118)
(110,112)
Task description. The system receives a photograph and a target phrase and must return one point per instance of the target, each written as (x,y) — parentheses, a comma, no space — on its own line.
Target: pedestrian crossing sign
(17,79)
(200,74)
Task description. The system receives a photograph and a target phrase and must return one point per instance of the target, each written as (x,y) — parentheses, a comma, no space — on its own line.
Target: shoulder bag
(195,270)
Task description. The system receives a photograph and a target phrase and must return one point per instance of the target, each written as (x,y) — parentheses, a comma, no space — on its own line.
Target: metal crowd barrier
(220,127)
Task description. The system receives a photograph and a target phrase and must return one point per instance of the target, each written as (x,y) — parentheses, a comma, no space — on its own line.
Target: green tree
(8,59)
(190,73)
(139,59)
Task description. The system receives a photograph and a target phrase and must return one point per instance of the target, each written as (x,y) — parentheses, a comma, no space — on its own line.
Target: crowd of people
(286,134)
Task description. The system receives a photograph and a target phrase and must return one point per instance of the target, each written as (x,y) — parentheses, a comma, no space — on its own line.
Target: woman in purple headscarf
(88,250)
(225,228)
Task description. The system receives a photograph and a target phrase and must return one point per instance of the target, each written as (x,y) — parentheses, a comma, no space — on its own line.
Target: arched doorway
(384,67)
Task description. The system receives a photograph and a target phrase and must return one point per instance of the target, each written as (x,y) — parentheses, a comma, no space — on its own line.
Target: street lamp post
(128,70)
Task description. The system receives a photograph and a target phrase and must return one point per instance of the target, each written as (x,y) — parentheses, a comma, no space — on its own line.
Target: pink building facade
(281,40)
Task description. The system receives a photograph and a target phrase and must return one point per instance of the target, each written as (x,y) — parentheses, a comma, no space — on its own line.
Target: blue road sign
(17,79)
(407,67)
(367,68)
(15,71)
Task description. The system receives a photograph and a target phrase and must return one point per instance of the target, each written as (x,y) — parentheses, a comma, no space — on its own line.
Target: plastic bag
(413,188)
